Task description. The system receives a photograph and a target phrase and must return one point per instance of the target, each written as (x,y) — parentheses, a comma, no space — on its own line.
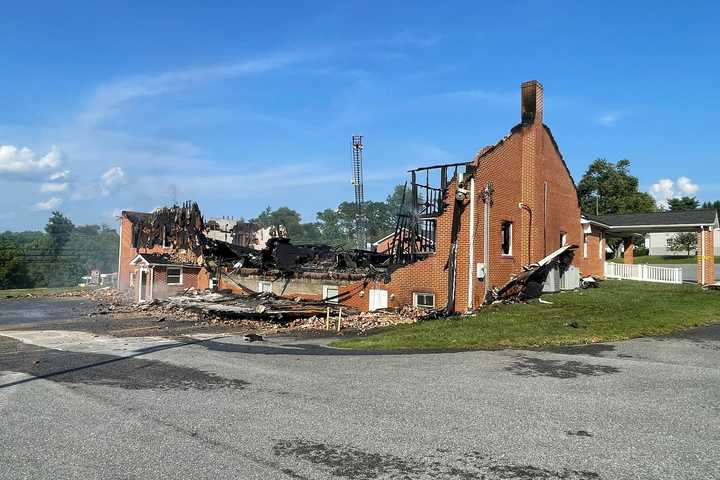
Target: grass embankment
(36,292)
(674,260)
(617,310)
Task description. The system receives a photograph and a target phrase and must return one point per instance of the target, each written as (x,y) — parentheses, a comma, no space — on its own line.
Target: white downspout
(471,253)
(120,253)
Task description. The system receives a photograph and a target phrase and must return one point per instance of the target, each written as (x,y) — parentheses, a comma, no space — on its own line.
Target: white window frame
(415,300)
(510,240)
(132,279)
(325,295)
(264,286)
(167,276)
(563,238)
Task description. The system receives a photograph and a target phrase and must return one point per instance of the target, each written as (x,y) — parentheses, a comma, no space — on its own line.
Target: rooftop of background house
(658,221)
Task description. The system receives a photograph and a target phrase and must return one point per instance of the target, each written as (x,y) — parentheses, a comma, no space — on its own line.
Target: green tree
(683,203)
(297,231)
(715,205)
(682,242)
(609,188)
(59,228)
(13,270)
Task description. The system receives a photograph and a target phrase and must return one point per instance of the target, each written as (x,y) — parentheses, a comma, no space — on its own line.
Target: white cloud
(110,97)
(53,187)
(113,177)
(686,186)
(609,119)
(24,162)
(665,189)
(50,204)
(59,175)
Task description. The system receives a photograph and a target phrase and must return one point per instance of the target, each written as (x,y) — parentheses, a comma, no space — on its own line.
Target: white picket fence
(643,273)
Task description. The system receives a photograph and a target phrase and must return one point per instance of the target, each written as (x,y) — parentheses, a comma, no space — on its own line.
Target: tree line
(63,253)
(58,256)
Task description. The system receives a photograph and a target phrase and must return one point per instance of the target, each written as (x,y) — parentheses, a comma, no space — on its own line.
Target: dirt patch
(537,367)
(344,461)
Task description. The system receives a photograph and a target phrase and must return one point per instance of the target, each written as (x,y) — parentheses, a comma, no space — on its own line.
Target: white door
(378,299)
(142,288)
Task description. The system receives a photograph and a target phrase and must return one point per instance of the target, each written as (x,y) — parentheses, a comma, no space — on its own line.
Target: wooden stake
(327,319)
(339,319)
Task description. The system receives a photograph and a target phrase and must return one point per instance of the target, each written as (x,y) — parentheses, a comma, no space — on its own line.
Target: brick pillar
(629,254)
(531,106)
(705,257)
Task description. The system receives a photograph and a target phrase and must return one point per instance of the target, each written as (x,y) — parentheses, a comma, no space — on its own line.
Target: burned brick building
(466,229)
(470,227)
(160,253)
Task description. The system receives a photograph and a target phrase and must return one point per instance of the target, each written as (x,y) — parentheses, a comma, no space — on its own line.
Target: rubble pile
(364,321)
(266,306)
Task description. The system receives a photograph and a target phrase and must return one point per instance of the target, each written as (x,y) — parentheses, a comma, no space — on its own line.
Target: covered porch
(630,227)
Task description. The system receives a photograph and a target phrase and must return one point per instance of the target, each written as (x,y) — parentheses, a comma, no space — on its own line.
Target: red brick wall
(128,252)
(162,290)
(594,262)
(520,167)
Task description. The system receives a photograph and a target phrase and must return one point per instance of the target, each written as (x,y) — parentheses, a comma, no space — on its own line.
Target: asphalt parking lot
(80,404)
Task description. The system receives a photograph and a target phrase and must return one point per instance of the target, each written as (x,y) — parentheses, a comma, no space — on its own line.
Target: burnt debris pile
(252,306)
(181,228)
(281,256)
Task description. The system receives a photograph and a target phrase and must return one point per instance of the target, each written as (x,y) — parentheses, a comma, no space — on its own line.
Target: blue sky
(133,105)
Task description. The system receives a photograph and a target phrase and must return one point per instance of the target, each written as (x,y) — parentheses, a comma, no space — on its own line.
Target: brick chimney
(531,102)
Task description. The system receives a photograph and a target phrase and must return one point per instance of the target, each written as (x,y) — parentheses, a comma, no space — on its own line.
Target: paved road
(87,405)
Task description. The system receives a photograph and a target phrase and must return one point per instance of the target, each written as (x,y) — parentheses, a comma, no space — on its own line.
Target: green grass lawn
(615,311)
(675,260)
(38,292)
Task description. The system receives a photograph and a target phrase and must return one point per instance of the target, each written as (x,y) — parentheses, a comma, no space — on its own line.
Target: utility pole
(357,181)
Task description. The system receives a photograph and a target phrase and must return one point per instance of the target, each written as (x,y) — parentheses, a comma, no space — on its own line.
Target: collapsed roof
(182,228)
